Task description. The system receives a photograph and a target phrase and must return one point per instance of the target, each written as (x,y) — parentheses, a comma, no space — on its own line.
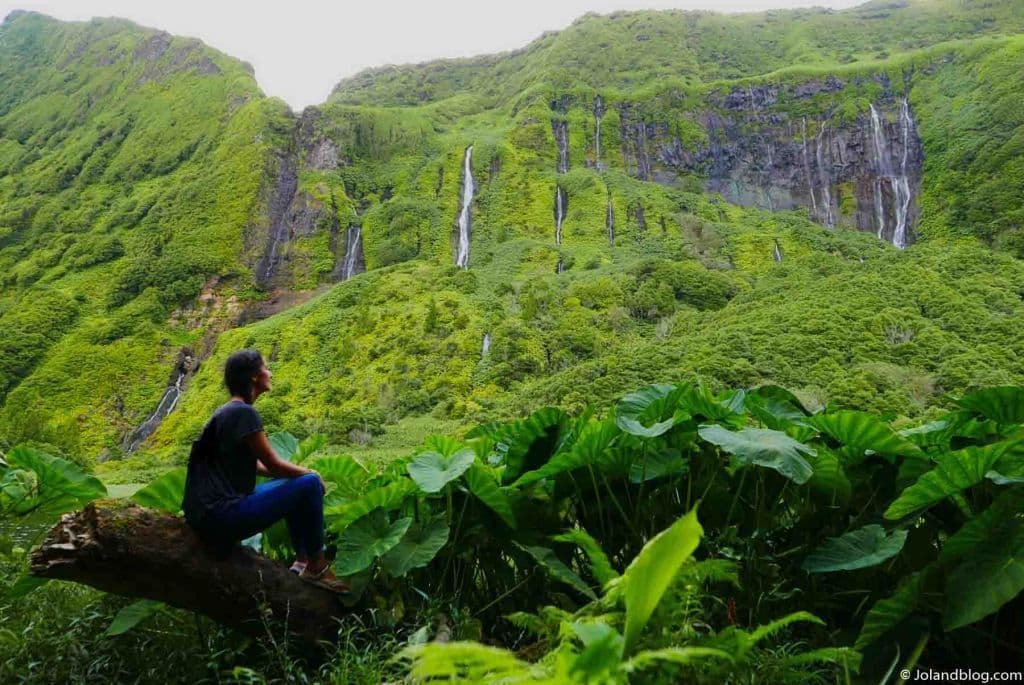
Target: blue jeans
(299,501)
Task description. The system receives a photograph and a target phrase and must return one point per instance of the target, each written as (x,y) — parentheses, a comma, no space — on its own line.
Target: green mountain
(831,201)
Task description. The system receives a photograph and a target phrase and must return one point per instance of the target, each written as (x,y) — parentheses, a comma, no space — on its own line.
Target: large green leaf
(650,411)
(308,447)
(367,539)
(601,655)
(763,447)
(433,470)
(989,578)
(590,445)
(1004,405)
(484,487)
(528,444)
(860,548)
(657,463)
(829,477)
(165,492)
(417,548)
(285,444)
(987,560)
(557,569)
(887,613)
(130,616)
(389,497)
(24,585)
(599,563)
(697,401)
(59,484)
(953,473)
(343,474)
(651,572)
(862,431)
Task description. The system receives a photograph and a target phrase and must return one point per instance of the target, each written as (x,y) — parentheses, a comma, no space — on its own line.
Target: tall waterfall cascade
(353,246)
(462,256)
(559,213)
(485,345)
(892,175)
(598,116)
(609,221)
(561,131)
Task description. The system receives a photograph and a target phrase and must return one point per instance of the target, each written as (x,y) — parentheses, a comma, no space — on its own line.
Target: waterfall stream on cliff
(485,346)
(353,240)
(284,193)
(777,252)
(898,182)
(824,178)
(598,116)
(609,221)
(561,131)
(462,257)
(807,166)
(559,213)
(166,405)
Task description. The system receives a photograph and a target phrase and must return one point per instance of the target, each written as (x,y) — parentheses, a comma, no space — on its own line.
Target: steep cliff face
(769,146)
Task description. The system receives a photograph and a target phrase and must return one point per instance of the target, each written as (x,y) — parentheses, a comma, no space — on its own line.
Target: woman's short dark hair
(239,369)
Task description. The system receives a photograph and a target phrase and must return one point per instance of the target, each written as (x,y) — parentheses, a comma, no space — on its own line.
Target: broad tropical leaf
(164,492)
(558,570)
(860,548)
(344,473)
(655,405)
(367,539)
(130,616)
(528,444)
(953,473)
(654,464)
(862,431)
(60,485)
(387,498)
(591,444)
(987,579)
(485,487)
(285,444)
(887,613)
(1004,405)
(417,548)
(599,563)
(697,401)
(433,470)
(651,572)
(308,447)
(829,476)
(763,447)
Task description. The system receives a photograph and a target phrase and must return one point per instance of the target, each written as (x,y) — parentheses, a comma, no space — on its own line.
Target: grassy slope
(843,319)
(130,171)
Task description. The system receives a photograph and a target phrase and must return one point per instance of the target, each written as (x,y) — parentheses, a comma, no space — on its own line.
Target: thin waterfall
(560,267)
(485,346)
(598,116)
(807,165)
(163,408)
(462,258)
(824,177)
(609,222)
(353,248)
(902,186)
(777,252)
(559,213)
(899,183)
(561,131)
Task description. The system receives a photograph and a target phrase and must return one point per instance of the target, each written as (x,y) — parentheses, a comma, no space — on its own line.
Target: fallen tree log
(120,547)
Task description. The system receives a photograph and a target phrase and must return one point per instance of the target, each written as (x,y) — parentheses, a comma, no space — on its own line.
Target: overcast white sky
(301,48)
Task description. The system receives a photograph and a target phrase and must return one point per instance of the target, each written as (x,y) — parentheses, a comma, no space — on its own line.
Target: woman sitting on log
(222,502)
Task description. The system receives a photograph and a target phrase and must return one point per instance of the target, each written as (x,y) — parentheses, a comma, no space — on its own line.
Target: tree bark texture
(120,547)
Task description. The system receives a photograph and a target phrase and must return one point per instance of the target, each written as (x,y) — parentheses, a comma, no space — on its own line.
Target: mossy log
(120,547)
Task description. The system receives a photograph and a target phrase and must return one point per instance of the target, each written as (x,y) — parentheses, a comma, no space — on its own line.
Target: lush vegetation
(825,533)
(828,543)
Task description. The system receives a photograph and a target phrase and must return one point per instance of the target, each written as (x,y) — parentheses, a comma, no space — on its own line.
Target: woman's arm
(271,464)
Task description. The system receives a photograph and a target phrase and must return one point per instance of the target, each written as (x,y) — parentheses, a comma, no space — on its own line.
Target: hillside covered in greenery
(710,171)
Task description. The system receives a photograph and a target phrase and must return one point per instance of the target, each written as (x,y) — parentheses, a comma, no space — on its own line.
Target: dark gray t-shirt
(230,471)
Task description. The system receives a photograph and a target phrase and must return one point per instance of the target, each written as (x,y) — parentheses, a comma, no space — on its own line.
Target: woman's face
(261,381)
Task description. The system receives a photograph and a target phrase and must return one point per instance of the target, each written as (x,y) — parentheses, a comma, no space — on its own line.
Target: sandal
(326,579)
(297,567)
